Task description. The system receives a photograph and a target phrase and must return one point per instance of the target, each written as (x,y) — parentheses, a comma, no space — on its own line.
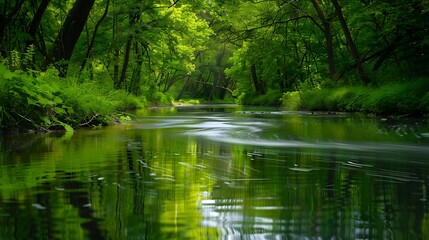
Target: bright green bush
(30,102)
(129,101)
(45,101)
(158,98)
(291,100)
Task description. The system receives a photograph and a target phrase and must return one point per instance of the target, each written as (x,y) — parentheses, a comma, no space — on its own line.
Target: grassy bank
(43,101)
(271,98)
(389,98)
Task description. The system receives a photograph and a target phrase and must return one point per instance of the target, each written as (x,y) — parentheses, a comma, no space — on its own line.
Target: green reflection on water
(193,174)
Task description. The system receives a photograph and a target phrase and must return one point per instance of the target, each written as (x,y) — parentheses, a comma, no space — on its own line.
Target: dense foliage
(67,63)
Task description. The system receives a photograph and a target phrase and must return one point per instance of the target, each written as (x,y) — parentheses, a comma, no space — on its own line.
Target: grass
(271,98)
(389,98)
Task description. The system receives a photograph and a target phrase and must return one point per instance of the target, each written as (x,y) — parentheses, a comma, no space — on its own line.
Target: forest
(66,64)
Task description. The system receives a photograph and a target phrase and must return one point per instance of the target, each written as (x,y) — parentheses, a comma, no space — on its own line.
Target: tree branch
(174,3)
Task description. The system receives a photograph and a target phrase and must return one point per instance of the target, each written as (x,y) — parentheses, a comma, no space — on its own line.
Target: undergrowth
(271,98)
(388,98)
(43,101)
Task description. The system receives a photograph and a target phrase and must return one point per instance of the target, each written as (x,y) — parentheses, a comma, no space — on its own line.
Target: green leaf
(124,118)
(57,100)
(2,69)
(28,91)
(67,127)
(59,110)
(9,75)
(30,101)
(46,120)
(44,101)
(70,110)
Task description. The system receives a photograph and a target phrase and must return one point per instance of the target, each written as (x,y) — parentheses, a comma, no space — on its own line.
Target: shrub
(45,101)
(291,100)
(29,102)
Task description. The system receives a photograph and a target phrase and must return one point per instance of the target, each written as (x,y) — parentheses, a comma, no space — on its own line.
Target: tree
(7,17)
(94,35)
(350,43)
(328,37)
(69,34)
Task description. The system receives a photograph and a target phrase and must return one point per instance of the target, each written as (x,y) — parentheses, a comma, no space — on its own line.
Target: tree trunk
(116,49)
(258,86)
(94,35)
(37,18)
(134,18)
(69,34)
(126,63)
(183,89)
(223,82)
(215,82)
(328,37)
(136,77)
(7,18)
(350,44)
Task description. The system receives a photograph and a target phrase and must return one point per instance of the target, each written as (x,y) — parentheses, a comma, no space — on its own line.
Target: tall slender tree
(94,35)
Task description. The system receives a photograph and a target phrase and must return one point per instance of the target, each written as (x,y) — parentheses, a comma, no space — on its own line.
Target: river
(219,172)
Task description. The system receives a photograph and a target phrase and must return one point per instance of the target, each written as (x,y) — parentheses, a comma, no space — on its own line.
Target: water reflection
(219,174)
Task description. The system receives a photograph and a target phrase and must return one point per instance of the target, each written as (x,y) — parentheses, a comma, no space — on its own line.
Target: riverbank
(43,101)
(400,98)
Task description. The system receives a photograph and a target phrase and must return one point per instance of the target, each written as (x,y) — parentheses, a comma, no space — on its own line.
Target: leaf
(27,91)
(124,118)
(59,110)
(70,110)
(2,69)
(46,120)
(44,101)
(57,100)
(9,75)
(67,127)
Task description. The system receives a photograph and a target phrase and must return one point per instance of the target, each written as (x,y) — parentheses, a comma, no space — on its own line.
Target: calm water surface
(219,173)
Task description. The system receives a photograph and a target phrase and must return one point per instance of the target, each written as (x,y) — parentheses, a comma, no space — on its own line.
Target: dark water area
(223,172)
